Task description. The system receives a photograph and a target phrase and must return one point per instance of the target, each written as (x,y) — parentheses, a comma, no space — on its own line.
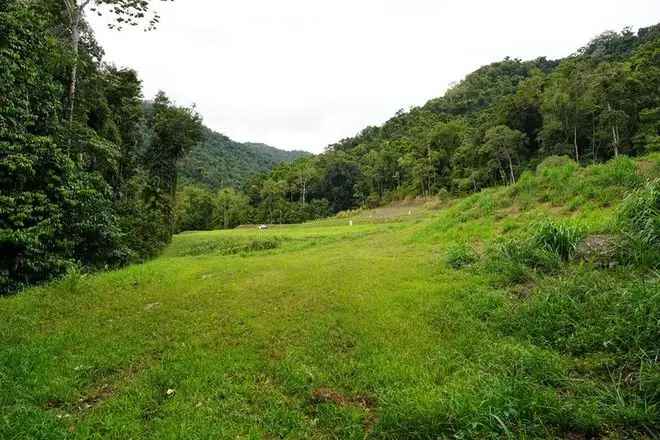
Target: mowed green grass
(325,331)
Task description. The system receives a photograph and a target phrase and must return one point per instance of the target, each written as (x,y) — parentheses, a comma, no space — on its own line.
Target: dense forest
(502,119)
(218,162)
(88,174)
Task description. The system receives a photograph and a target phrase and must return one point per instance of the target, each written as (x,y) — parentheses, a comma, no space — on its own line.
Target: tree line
(87,170)
(504,118)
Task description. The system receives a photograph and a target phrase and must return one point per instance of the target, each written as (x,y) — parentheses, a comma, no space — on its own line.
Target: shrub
(373,201)
(460,255)
(443,194)
(194,209)
(52,214)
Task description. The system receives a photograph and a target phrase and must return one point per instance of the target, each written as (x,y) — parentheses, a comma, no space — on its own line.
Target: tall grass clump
(561,181)
(618,172)
(560,238)
(72,281)
(598,316)
(460,255)
(556,179)
(518,259)
(638,219)
(607,183)
(539,250)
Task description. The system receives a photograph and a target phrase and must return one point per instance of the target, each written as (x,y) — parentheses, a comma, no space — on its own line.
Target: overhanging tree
(123,12)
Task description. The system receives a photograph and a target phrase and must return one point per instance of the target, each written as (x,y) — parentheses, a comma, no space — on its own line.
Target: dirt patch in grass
(364,402)
(524,290)
(103,390)
(92,399)
(96,397)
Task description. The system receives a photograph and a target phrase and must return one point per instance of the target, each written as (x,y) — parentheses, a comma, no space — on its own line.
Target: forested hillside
(503,119)
(219,162)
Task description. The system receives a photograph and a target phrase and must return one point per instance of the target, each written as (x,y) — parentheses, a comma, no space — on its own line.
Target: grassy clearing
(481,319)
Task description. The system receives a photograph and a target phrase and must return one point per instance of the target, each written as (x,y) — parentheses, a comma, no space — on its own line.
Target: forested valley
(499,121)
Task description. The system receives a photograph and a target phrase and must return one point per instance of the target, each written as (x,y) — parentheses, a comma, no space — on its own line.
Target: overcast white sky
(305,73)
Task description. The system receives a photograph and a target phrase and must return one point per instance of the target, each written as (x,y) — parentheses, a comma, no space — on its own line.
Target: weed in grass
(71,282)
(459,255)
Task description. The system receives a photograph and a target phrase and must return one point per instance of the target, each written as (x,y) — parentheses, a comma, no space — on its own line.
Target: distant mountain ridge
(219,162)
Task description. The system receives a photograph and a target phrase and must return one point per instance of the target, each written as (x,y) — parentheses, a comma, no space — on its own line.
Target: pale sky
(302,74)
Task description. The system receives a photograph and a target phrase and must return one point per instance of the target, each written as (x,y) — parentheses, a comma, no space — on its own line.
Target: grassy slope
(327,331)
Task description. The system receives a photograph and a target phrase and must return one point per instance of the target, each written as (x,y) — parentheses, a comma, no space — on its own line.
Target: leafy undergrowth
(522,312)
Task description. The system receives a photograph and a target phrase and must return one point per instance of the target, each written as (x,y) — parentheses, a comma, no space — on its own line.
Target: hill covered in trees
(219,162)
(502,119)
